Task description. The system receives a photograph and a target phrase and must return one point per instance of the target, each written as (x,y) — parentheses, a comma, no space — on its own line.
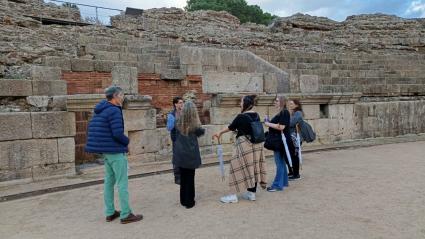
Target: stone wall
(38,134)
(373,75)
(356,79)
(362,33)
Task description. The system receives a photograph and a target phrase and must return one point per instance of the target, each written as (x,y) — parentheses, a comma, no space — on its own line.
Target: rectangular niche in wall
(324,111)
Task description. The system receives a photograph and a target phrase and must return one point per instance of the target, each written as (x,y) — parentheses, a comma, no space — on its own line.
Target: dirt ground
(374,192)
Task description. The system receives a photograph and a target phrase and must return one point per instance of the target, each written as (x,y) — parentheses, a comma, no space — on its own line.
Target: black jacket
(186,152)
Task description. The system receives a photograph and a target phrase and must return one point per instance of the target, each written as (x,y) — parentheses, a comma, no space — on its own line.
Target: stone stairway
(101,54)
(370,74)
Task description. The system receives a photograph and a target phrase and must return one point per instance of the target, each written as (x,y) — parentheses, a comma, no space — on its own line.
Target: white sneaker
(250,196)
(231,198)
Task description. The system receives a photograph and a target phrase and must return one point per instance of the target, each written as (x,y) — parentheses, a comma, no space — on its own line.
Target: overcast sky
(334,9)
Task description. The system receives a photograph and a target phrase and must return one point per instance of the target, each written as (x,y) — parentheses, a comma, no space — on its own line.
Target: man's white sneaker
(248,196)
(231,198)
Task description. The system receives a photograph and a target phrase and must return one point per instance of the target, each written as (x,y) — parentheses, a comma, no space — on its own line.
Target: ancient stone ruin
(360,78)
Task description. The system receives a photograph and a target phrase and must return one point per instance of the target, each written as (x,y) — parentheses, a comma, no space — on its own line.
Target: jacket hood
(101,106)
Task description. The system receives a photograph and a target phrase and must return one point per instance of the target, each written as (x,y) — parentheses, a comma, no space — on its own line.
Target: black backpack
(257,129)
(306,132)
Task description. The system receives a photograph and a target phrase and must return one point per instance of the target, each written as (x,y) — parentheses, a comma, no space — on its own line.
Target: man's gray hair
(111,91)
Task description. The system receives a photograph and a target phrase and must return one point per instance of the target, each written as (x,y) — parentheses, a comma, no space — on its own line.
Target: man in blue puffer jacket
(106,136)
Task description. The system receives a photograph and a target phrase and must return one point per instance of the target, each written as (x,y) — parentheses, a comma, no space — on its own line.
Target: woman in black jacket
(277,125)
(186,152)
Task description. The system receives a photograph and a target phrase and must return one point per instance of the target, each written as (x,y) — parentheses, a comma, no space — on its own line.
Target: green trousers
(116,172)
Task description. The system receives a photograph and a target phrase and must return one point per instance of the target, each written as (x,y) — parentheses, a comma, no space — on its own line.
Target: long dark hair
(248,102)
(299,107)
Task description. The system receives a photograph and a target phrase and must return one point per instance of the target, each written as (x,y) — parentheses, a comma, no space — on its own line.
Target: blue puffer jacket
(106,130)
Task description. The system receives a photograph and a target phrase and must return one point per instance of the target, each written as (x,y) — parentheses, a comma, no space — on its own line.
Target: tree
(238,8)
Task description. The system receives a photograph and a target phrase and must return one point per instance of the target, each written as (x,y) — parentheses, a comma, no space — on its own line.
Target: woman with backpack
(186,152)
(247,166)
(277,125)
(295,108)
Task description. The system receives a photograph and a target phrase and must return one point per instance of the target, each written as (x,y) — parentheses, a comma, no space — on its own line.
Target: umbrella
(288,155)
(299,149)
(220,159)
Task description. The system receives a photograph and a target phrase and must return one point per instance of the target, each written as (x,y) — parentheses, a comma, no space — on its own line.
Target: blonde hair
(282,101)
(188,120)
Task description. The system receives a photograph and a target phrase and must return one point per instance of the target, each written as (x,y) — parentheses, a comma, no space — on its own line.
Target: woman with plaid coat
(247,166)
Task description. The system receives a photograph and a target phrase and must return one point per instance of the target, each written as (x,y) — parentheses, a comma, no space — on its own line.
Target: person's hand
(216,135)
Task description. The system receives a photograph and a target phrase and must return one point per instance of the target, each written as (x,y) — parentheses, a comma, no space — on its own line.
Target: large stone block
(66,150)
(190,55)
(311,111)
(126,78)
(139,119)
(7,175)
(38,101)
(45,73)
(309,83)
(232,82)
(15,126)
(103,66)
(55,61)
(275,83)
(49,88)
(15,87)
(82,65)
(145,141)
(46,171)
(21,154)
(222,115)
(107,56)
(145,67)
(53,124)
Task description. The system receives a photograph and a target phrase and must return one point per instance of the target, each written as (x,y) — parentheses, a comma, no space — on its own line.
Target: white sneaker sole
(232,201)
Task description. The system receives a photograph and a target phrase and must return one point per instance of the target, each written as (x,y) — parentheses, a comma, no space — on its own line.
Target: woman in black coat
(186,152)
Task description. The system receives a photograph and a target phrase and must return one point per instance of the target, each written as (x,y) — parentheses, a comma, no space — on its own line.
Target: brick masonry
(162,92)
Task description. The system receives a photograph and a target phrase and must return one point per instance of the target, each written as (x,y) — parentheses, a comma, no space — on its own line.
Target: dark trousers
(253,189)
(295,164)
(187,187)
(176,171)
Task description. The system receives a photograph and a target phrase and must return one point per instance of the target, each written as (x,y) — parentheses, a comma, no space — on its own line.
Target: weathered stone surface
(309,83)
(311,111)
(230,82)
(45,73)
(139,119)
(54,61)
(53,124)
(15,126)
(146,67)
(7,175)
(103,66)
(66,150)
(15,87)
(126,78)
(193,69)
(146,141)
(221,115)
(82,65)
(40,172)
(49,88)
(21,154)
(58,103)
(38,101)
(275,83)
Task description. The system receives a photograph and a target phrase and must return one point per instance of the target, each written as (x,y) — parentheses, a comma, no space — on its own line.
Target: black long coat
(186,149)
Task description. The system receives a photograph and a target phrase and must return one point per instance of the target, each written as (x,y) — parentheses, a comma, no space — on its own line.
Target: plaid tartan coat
(247,165)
